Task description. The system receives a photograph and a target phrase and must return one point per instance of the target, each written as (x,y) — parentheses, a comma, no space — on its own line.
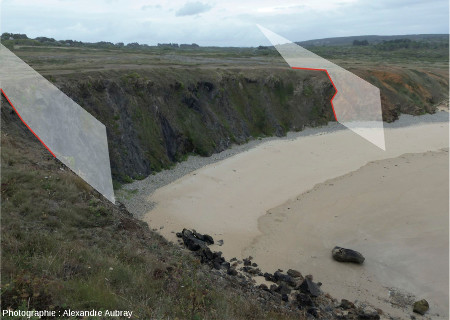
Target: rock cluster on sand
(289,290)
(347,255)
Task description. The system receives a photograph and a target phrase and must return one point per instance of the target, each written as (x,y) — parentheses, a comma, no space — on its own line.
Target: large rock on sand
(421,306)
(347,255)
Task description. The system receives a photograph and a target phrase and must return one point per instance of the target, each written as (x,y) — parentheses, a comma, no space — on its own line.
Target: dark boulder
(191,241)
(315,312)
(206,255)
(208,239)
(203,237)
(213,259)
(283,289)
(278,276)
(218,261)
(269,277)
(264,287)
(421,306)
(347,255)
(345,304)
(309,287)
(250,270)
(304,300)
(232,272)
(294,273)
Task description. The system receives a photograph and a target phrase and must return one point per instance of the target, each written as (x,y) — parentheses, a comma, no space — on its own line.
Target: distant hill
(372,39)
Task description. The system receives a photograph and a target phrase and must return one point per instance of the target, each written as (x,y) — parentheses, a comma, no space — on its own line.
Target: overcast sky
(222,23)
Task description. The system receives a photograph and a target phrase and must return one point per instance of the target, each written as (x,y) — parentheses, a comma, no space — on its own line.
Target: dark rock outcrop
(278,276)
(294,273)
(263,287)
(304,300)
(232,272)
(291,290)
(315,312)
(269,277)
(203,237)
(309,287)
(283,289)
(192,241)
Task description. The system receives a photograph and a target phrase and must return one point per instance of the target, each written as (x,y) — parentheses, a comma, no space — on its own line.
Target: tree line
(22,39)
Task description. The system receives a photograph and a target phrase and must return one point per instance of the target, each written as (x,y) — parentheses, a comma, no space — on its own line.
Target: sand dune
(228,199)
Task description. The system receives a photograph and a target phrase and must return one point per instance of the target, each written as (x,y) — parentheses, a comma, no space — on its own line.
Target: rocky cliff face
(155,118)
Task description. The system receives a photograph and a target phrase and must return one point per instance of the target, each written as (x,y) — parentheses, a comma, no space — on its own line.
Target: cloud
(147,7)
(232,24)
(192,8)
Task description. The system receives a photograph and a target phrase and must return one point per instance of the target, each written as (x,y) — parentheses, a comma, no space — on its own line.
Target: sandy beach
(288,202)
(395,211)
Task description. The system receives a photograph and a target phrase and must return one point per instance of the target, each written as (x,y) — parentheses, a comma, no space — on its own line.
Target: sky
(219,23)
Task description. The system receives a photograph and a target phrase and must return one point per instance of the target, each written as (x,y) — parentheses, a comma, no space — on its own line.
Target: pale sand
(227,198)
(394,211)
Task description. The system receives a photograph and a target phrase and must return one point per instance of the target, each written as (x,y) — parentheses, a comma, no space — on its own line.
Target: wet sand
(231,199)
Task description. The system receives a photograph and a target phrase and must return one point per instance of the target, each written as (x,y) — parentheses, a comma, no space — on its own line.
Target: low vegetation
(64,246)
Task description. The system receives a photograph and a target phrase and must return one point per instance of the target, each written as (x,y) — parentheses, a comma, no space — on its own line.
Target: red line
(336,91)
(4,94)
